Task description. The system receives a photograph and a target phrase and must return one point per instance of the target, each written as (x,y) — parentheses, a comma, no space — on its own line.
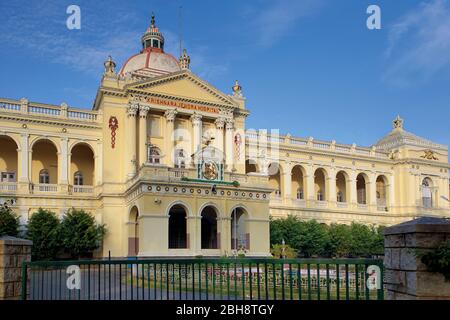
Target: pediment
(182,85)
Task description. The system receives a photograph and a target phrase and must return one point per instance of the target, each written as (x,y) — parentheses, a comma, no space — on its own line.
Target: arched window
(78,179)
(300,194)
(44,177)
(153,154)
(180,159)
(340,196)
(427,198)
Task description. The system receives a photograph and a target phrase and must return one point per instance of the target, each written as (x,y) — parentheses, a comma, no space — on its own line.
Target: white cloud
(419,44)
(273,22)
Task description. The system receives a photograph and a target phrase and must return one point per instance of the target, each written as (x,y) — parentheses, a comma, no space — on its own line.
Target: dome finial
(398,123)
(153,20)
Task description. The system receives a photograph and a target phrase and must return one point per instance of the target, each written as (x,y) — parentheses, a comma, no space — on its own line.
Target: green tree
(339,243)
(277,251)
(80,234)
(43,230)
(9,222)
(313,238)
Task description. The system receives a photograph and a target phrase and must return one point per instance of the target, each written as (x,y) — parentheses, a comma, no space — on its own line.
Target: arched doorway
(319,184)
(82,166)
(341,187)
(274,172)
(133,232)
(361,191)
(427,194)
(250,166)
(381,193)
(177,228)
(8,160)
(298,187)
(44,164)
(209,228)
(240,237)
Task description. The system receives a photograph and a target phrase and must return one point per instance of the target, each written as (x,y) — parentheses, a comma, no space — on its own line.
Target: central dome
(152,61)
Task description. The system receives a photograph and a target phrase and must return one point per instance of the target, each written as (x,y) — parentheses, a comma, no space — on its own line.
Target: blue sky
(307,67)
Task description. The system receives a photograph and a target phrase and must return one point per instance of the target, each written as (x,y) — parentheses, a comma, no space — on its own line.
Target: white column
(25,159)
(143,111)
(220,124)
(98,164)
(287,182)
(391,190)
(331,196)
(372,187)
(196,120)
(169,136)
(310,195)
(64,168)
(352,184)
(229,144)
(130,147)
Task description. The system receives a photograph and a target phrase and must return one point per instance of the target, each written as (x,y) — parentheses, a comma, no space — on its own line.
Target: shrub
(438,260)
(277,251)
(43,230)
(80,233)
(9,222)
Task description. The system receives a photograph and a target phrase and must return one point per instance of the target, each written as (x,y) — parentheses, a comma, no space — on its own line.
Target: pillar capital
(132,109)
(143,111)
(229,124)
(220,123)
(196,119)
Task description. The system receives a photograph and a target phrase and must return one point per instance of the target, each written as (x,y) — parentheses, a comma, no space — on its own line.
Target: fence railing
(203,279)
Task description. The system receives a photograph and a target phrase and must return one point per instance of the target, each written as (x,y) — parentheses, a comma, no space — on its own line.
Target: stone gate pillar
(13,252)
(406,277)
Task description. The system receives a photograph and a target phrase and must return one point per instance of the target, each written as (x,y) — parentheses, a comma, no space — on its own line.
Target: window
(44,177)
(155,43)
(8,177)
(340,197)
(427,199)
(320,196)
(78,179)
(154,129)
(180,160)
(300,195)
(153,155)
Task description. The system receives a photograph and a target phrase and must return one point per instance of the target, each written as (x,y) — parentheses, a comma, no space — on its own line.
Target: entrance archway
(133,233)
(240,237)
(177,228)
(209,228)
(8,160)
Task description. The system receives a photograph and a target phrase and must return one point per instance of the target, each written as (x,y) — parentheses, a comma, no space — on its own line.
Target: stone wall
(13,252)
(406,277)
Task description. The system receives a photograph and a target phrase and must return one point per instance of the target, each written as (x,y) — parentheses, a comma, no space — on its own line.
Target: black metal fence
(204,279)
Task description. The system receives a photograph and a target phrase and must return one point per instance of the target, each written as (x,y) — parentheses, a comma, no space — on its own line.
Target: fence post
(13,253)
(406,277)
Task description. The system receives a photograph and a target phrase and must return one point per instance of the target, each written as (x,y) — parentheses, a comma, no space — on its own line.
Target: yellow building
(164,160)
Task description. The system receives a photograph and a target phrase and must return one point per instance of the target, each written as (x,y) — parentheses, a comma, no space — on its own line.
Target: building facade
(164,160)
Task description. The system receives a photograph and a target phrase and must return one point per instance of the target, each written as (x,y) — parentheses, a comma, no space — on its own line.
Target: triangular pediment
(182,85)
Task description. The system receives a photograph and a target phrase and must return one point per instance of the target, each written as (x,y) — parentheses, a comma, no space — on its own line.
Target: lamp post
(283,245)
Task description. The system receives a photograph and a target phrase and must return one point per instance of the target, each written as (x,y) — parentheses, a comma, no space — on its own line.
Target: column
(98,164)
(143,111)
(309,178)
(287,182)
(220,124)
(332,196)
(25,158)
(352,185)
(64,163)
(229,144)
(372,188)
(196,120)
(130,146)
(391,196)
(169,137)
